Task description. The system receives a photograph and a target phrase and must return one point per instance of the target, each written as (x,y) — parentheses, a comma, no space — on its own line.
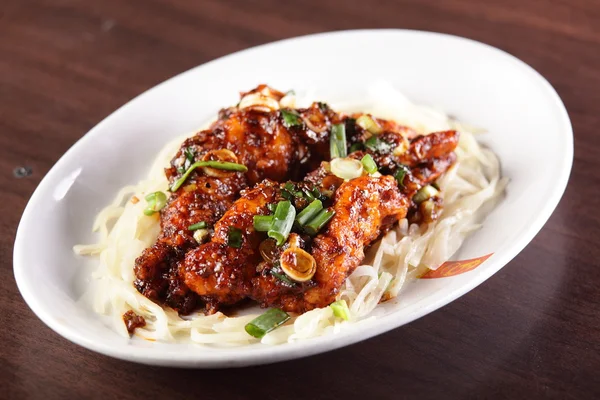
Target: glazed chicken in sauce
(278,205)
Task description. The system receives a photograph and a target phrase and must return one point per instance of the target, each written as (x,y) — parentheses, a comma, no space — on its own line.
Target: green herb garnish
(198,225)
(266,322)
(356,147)
(224,165)
(290,118)
(400,174)
(369,164)
(309,212)
(318,222)
(234,237)
(374,143)
(283,220)
(156,202)
(262,223)
(340,309)
(337,141)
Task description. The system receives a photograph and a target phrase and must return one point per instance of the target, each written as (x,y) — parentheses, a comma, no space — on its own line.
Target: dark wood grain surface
(532,331)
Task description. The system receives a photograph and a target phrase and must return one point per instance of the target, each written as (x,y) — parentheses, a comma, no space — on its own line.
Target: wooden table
(531,331)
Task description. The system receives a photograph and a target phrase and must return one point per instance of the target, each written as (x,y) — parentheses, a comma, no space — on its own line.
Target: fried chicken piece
(279,145)
(258,136)
(222,273)
(364,207)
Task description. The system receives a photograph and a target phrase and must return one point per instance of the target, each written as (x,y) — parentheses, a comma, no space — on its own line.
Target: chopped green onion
(375,144)
(156,202)
(189,153)
(196,226)
(266,322)
(234,237)
(309,212)
(308,194)
(369,164)
(262,223)
(283,220)
(317,194)
(272,207)
(290,118)
(356,147)
(340,309)
(318,222)
(426,192)
(337,141)
(368,123)
(346,168)
(282,277)
(400,174)
(435,185)
(289,191)
(224,165)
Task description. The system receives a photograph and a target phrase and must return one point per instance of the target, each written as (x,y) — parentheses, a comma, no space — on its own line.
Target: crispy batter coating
(364,208)
(278,146)
(258,138)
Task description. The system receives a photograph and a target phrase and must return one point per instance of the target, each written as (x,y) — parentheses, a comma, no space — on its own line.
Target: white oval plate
(528,128)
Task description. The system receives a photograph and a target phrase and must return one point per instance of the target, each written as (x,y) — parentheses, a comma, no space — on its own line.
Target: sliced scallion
(289,191)
(318,222)
(309,212)
(282,277)
(317,193)
(272,207)
(283,220)
(426,192)
(340,309)
(224,165)
(266,322)
(400,174)
(234,237)
(346,168)
(337,141)
(262,223)
(356,147)
(189,153)
(156,202)
(369,164)
(369,124)
(376,144)
(196,226)
(290,118)
(308,194)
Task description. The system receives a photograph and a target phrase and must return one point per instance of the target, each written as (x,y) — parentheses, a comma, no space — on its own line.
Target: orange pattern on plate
(451,268)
